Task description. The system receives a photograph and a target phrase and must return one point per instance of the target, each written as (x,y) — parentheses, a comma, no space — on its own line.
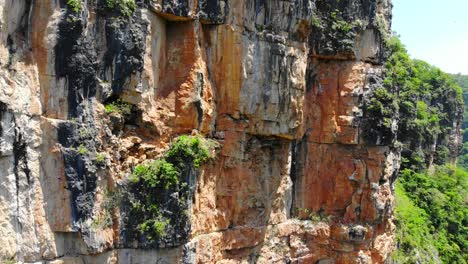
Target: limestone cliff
(89,89)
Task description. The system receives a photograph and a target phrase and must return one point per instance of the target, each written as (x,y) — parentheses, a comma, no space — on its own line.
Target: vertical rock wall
(279,84)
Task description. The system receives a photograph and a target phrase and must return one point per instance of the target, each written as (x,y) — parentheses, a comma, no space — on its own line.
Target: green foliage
(431,214)
(380,111)
(382,104)
(157,173)
(314,217)
(111,201)
(438,213)
(119,107)
(75,5)
(154,227)
(462,80)
(428,103)
(82,150)
(442,154)
(100,158)
(383,29)
(342,31)
(341,25)
(316,22)
(463,158)
(8,261)
(335,30)
(84,132)
(149,182)
(186,150)
(125,7)
(152,181)
(413,236)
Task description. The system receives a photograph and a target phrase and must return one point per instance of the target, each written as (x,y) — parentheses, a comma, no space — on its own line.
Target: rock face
(89,92)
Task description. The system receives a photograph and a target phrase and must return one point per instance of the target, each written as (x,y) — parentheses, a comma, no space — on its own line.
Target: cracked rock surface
(280,85)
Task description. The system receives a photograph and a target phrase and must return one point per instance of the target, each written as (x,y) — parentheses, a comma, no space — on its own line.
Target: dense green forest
(431,216)
(462,80)
(431,201)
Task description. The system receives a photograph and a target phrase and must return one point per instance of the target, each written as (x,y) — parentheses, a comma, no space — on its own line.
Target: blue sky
(435,31)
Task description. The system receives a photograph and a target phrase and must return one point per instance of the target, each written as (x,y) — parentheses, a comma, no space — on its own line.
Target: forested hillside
(431,199)
(462,80)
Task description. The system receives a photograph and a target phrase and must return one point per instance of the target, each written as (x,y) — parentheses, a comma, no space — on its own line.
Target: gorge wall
(280,85)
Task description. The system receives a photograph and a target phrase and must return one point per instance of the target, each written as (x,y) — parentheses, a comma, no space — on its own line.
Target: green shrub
(101,158)
(84,132)
(157,173)
(379,112)
(314,217)
(316,22)
(186,150)
(442,154)
(125,7)
(119,107)
(382,105)
(111,201)
(338,30)
(75,5)
(341,25)
(151,184)
(430,208)
(154,227)
(82,150)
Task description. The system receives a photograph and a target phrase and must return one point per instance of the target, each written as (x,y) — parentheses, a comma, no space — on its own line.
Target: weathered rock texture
(280,85)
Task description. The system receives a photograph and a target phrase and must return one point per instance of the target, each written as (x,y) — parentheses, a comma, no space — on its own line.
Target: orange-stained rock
(53,176)
(246,188)
(348,170)
(332,108)
(182,99)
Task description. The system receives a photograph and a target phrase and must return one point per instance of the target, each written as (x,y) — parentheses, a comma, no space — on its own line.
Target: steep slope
(432,216)
(93,91)
(462,80)
(430,213)
(430,108)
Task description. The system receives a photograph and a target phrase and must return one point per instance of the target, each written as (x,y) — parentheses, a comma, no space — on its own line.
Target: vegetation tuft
(82,150)
(119,107)
(125,7)
(157,173)
(335,30)
(75,5)
(314,217)
(342,26)
(101,158)
(151,183)
(188,150)
(112,200)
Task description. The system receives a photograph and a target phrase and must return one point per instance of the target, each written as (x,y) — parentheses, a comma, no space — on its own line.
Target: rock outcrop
(91,89)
